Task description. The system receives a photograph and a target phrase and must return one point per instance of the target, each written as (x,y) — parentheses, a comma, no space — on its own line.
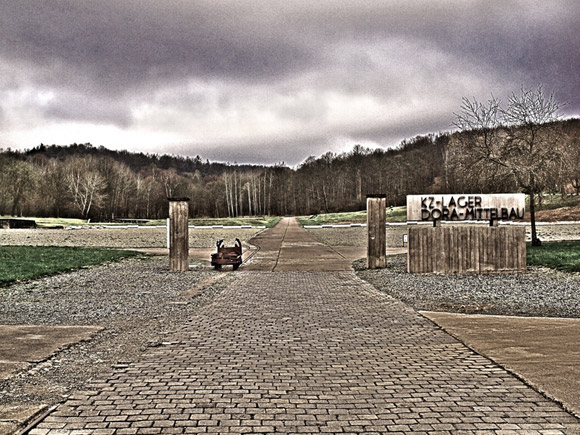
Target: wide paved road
(307,352)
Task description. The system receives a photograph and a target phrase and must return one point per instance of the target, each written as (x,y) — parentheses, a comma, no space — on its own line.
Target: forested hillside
(97,183)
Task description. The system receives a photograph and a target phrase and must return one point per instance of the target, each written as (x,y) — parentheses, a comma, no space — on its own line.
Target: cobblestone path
(308,352)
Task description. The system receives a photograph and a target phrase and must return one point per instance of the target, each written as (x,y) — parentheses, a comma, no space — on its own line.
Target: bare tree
(18,181)
(517,143)
(54,189)
(85,184)
(575,166)
(171,181)
(121,187)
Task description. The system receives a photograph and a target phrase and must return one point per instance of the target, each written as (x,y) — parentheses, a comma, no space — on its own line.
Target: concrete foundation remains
(8,223)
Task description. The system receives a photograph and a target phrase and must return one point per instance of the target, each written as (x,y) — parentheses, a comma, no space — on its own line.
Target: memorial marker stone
(466,248)
(498,206)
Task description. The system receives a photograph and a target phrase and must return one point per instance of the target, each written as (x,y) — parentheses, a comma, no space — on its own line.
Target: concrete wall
(466,249)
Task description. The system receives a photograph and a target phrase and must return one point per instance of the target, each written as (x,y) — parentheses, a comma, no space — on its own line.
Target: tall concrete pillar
(376,231)
(178,234)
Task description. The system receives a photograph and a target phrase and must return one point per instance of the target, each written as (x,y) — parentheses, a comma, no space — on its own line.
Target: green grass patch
(334,218)
(397,214)
(563,256)
(267,221)
(19,263)
(552,202)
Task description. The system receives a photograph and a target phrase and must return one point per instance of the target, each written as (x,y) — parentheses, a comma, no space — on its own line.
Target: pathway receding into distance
(289,247)
(290,348)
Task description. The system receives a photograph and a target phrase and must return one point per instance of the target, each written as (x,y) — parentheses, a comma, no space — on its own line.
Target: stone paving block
(309,352)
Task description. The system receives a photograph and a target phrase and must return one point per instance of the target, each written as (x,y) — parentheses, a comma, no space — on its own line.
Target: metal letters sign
(499,206)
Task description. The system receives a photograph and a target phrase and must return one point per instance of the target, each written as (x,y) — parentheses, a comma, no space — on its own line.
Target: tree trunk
(270,196)
(535,240)
(358,186)
(235,196)
(14,209)
(249,200)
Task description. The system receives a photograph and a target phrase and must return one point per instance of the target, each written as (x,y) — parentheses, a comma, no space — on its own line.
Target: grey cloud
(294,149)
(522,42)
(125,44)
(290,151)
(130,43)
(103,56)
(303,110)
(92,108)
(389,135)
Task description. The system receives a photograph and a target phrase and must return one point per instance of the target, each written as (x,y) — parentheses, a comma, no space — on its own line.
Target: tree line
(84,181)
(95,183)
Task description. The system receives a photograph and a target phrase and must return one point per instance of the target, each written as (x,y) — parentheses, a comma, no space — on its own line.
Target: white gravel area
(539,292)
(357,236)
(137,300)
(143,237)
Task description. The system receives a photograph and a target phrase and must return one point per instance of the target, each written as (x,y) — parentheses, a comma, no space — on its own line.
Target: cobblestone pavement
(308,352)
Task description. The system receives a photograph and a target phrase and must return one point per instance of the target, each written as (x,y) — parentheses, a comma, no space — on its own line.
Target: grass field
(397,214)
(267,221)
(334,218)
(563,255)
(65,222)
(28,262)
(553,202)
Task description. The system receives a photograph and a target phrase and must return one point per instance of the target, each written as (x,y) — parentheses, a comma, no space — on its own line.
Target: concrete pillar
(178,234)
(376,231)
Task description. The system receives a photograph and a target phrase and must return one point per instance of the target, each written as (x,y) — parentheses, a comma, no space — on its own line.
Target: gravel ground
(356,236)
(138,301)
(206,238)
(146,237)
(538,292)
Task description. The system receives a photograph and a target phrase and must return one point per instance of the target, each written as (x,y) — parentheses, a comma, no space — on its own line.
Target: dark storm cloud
(229,62)
(129,43)
(525,42)
(120,44)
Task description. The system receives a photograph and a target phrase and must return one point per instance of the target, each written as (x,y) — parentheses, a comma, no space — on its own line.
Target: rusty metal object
(227,255)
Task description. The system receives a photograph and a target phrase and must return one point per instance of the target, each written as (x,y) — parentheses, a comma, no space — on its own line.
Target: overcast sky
(269,81)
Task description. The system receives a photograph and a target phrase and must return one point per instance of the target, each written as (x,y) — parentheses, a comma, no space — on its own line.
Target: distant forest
(82,180)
